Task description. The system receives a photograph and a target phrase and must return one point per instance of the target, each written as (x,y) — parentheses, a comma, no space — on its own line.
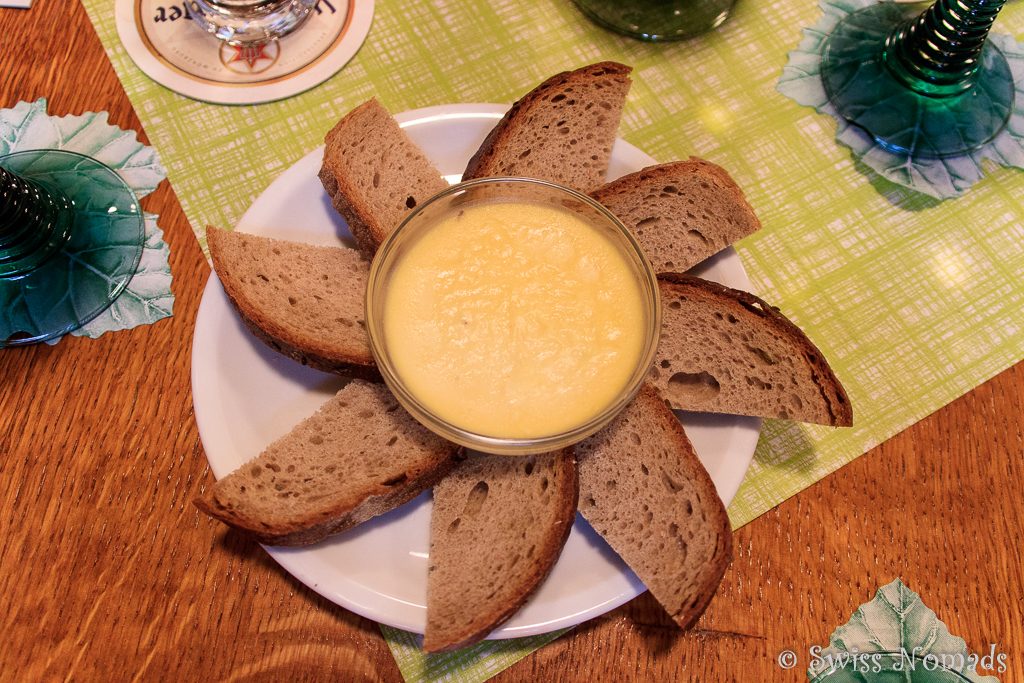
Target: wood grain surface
(107,571)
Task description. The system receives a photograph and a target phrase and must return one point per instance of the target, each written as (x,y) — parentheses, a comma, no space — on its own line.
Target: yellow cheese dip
(514,320)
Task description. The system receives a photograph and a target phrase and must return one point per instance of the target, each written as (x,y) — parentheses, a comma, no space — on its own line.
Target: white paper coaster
(172,50)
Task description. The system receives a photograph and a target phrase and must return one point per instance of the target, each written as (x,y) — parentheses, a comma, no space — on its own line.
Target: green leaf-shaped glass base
(896,638)
(78,281)
(866,92)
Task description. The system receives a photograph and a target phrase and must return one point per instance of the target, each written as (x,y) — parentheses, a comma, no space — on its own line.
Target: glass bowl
(450,203)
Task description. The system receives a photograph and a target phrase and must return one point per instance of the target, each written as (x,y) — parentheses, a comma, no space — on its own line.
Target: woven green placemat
(914,303)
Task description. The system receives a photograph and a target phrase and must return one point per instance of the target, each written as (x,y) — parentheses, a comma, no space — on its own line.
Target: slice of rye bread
(681,212)
(374,174)
(727,351)
(498,526)
(562,130)
(302,300)
(359,456)
(644,490)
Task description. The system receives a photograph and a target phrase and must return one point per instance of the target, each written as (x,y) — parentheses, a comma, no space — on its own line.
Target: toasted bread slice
(374,174)
(644,490)
(498,526)
(562,130)
(681,212)
(727,351)
(303,301)
(359,456)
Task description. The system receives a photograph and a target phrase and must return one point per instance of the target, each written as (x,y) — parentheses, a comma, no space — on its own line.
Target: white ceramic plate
(247,395)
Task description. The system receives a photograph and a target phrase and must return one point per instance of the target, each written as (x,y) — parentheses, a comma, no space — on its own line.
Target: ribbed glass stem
(937,54)
(34,223)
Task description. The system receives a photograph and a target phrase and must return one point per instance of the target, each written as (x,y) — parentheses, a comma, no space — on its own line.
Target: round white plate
(247,396)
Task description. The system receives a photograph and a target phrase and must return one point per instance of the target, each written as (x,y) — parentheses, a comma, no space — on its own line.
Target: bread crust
(833,394)
(636,184)
(480,165)
(362,223)
(367,223)
(545,561)
(712,572)
(342,517)
(311,352)
(690,165)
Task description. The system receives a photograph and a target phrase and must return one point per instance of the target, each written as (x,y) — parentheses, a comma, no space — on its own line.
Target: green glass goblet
(657,20)
(926,85)
(71,236)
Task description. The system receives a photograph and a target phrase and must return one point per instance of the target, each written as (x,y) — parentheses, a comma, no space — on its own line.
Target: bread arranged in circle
(499,523)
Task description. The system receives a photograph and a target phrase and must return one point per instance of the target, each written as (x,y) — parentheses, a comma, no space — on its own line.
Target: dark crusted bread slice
(303,301)
(359,456)
(498,526)
(644,490)
(374,174)
(681,212)
(727,351)
(562,130)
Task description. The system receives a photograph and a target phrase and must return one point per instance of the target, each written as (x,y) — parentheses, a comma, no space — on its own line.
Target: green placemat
(913,302)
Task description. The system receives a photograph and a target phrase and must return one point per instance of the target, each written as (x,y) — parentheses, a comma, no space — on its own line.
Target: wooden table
(108,572)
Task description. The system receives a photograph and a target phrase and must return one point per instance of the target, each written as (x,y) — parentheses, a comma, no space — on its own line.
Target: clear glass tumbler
(248,22)
(658,20)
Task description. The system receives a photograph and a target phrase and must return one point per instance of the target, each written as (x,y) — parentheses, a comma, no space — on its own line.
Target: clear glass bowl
(498,190)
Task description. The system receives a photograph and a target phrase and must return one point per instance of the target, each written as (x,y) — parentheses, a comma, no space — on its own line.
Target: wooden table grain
(107,571)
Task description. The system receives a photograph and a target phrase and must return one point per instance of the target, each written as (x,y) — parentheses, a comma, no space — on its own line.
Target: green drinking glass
(658,20)
(71,236)
(924,84)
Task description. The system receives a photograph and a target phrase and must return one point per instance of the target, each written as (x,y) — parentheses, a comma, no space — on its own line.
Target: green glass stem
(924,85)
(939,52)
(34,223)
